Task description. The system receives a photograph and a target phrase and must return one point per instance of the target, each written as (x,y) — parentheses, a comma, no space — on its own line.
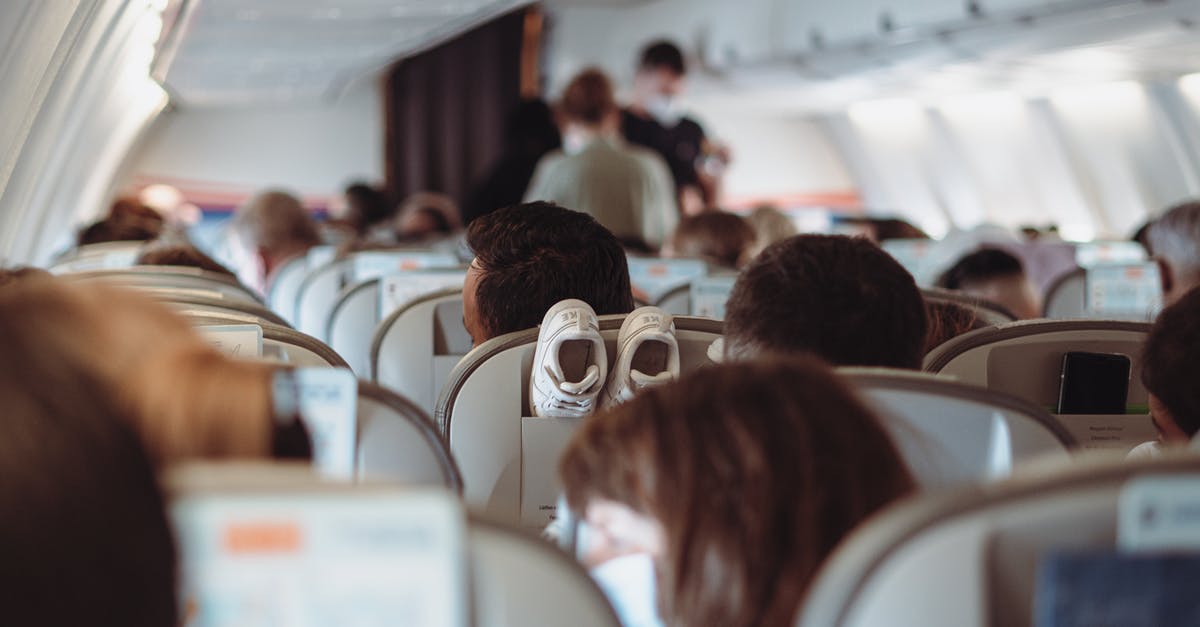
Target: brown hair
(84,535)
(276,221)
(755,471)
(948,320)
(588,98)
(181,255)
(716,236)
(184,398)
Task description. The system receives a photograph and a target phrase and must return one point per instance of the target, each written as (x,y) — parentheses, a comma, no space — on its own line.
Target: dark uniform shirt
(680,145)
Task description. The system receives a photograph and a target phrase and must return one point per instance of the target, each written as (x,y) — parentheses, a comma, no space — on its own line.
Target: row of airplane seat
(950,463)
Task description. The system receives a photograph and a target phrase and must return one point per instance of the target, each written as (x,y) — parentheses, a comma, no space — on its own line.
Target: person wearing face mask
(627,189)
(654,120)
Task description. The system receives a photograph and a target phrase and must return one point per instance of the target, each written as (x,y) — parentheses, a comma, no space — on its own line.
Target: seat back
(1025,359)
(520,579)
(174,277)
(915,256)
(986,311)
(352,323)
(104,256)
(970,557)
(951,433)
(285,287)
(463,569)
(414,350)
(709,295)
(1107,291)
(398,442)
(654,277)
(216,303)
(677,301)
(317,296)
(279,343)
(507,459)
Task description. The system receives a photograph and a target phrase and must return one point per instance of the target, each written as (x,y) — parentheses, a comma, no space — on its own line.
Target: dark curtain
(446,107)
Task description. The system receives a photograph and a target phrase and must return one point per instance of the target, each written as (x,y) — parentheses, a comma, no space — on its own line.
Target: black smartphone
(1094,383)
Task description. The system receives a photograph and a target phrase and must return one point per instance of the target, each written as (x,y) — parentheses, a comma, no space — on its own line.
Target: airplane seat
(352,323)
(507,458)
(103,256)
(174,277)
(677,301)
(951,433)
(988,312)
(285,287)
(971,556)
(1112,291)
(216,303)
(465,569)
(398,441)
(709,295)
(282,343)
(1025,359)
(414,350)
(519,579)
(317,294)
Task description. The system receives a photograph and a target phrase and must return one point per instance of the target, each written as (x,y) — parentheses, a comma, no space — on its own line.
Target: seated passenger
(275,228)
(1174,239)
(184,398)
(426,216)
(84,537)
(184,255)
(530,257)
(626,188)
(127,221)
(997,276)
(366,207)
(843,299)
(770,225)
(1170,364)
(720,238)
(947,321)
(736,482)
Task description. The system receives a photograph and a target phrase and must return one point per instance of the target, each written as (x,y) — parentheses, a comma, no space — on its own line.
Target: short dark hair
(981,265)
(843,298)
(1171,359)
(536,254)
(588,98)
(663,55)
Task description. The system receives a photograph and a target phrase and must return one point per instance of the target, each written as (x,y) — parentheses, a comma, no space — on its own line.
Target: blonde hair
(185,399)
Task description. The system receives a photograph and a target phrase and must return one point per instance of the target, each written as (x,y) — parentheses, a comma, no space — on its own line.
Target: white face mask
(1145,451)
(665,109)
(629,583)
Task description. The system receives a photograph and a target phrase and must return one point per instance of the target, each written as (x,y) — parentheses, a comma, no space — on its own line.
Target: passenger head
(588,102)
(948,320)
(366,206)
(1175,239)
(127,221)
(660,72)
(425,214)
(716,236)
(770,225)
(739,480)
(276,227)
(842,298)
(185,399)
(529,257)
(184,255)
(84,535)
(997,276)
(1170,363)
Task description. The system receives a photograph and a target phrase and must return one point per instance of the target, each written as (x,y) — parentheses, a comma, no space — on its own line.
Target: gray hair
(275,220)
(1175,238)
